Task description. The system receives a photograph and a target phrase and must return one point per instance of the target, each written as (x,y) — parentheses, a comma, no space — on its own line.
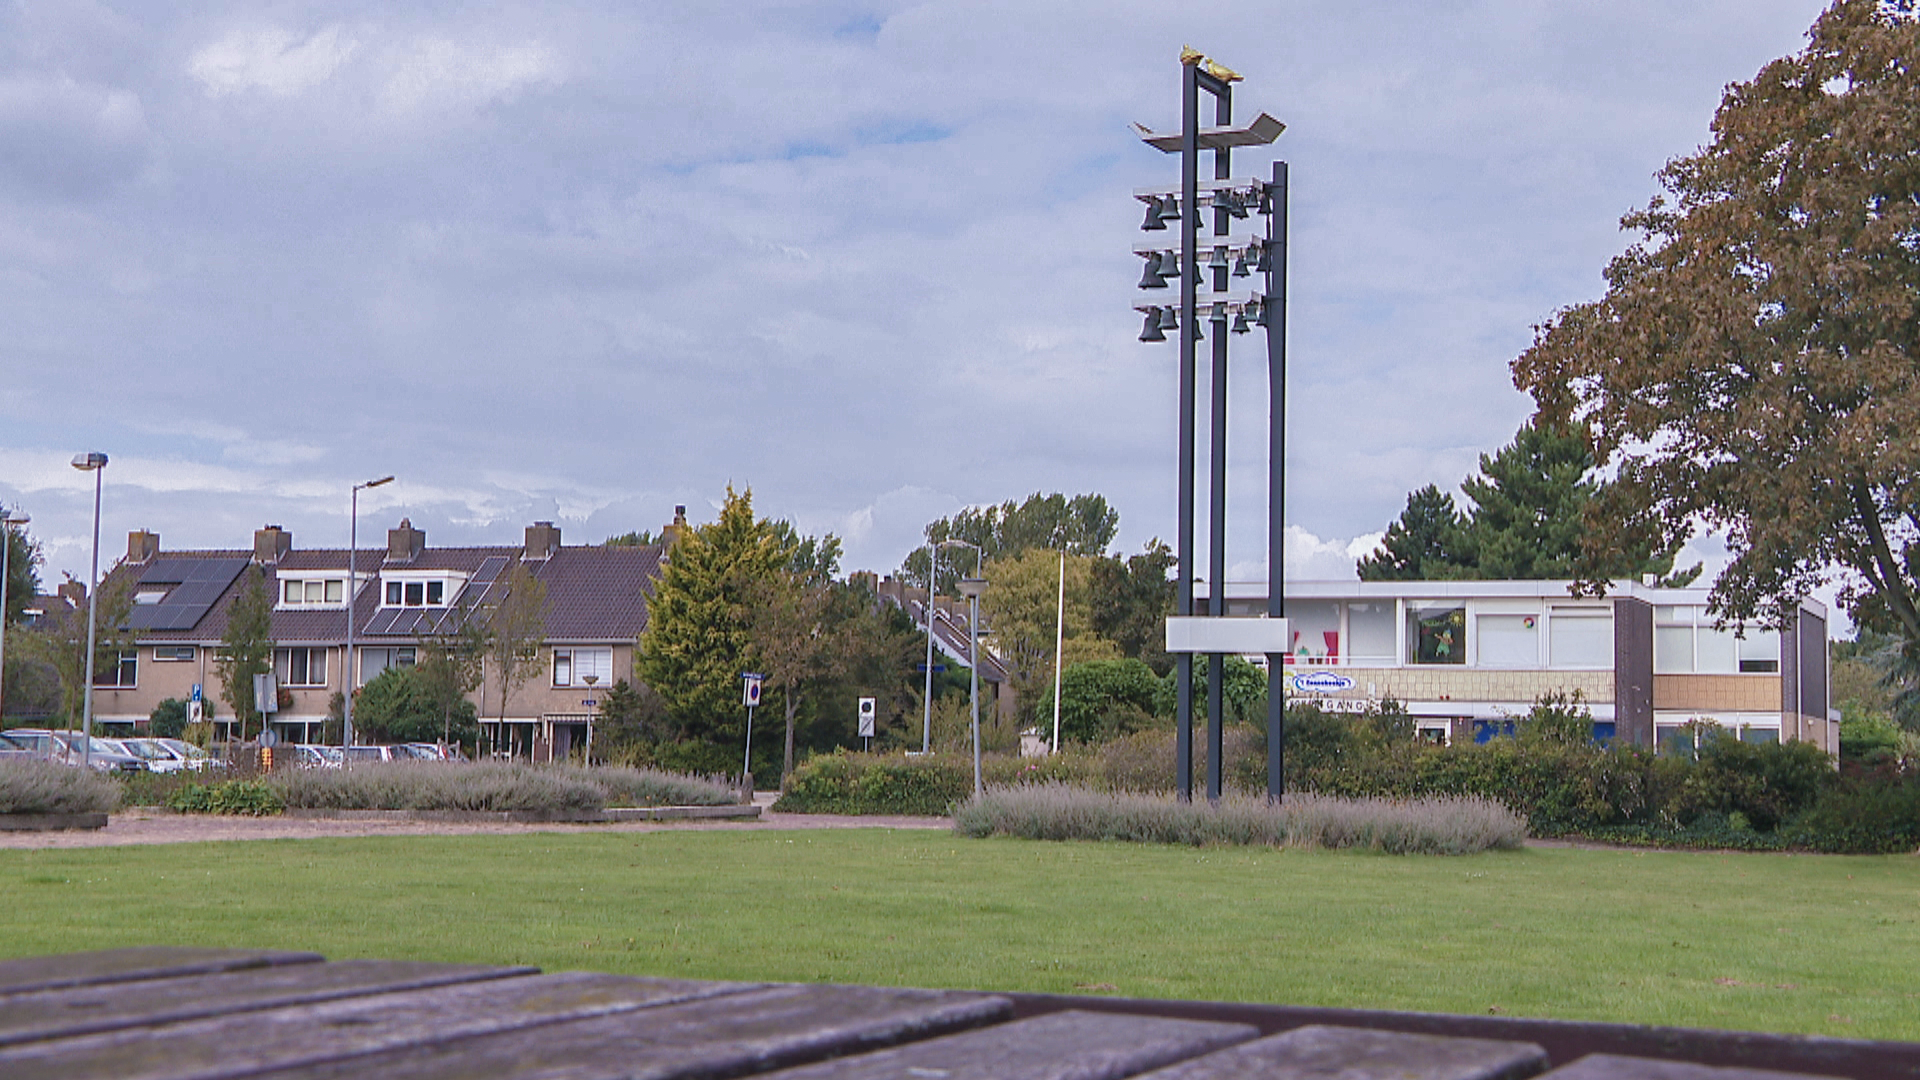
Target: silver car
(71,748)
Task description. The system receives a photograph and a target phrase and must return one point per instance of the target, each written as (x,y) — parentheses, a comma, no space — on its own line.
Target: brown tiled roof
(593,593)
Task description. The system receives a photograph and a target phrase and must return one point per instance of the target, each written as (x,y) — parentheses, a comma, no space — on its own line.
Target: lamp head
(88,462)
(377,483)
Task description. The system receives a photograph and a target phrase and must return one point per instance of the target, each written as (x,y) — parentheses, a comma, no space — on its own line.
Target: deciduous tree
(246,649)
(1752,368)
(1081,525)
(1131,599)
(1019,609)
(516,625)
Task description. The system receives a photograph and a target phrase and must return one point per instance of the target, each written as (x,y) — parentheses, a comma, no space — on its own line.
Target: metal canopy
(1263,130)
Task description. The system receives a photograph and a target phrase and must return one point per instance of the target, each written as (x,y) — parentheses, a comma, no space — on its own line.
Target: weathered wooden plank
(1063,1046)
(1358,1054)
(31,973)
(1622,1067)
(251,1043)
(55,1014)
(730,1036)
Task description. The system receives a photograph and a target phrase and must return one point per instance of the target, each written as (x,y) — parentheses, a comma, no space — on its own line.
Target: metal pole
(1273,310)
(353,582)
(746,760)
(93,607)
(1189,262)
(1059,643)
(1217,491)
(973,654)
(926,716)
(6,569)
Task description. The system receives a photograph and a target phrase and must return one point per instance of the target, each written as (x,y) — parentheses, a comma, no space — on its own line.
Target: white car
(167,755)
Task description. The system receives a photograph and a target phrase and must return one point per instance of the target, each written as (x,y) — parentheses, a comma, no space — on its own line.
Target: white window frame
(449,583)
(572,655)
(283,666)
(306,583)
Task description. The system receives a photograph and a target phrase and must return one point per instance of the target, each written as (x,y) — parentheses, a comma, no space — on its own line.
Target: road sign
(268,739)
(266,693)
(196,711)
(195,696)
(866,717)
(752,695)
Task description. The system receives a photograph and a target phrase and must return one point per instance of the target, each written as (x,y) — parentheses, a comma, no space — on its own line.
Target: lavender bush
(32,786)
(1437,825)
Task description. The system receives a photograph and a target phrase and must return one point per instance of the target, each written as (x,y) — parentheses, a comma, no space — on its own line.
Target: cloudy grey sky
(584,261)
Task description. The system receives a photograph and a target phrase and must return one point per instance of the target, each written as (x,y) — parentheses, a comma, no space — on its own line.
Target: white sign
(1221,634)
(196,711)
(752,695)
(1321,682)
(266,693)
(866,717)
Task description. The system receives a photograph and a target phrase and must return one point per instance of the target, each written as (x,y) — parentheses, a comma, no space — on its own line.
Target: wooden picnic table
(164,1013)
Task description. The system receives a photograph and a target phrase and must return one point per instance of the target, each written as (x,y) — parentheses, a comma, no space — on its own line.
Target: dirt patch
(142,826)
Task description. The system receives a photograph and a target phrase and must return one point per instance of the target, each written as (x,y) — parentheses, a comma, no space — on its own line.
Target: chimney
(542,540)
(405,543)
(270,544)
(671,532)
(142,545)
(73,592)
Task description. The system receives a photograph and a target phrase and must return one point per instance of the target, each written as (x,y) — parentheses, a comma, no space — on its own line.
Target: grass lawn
(1803,943)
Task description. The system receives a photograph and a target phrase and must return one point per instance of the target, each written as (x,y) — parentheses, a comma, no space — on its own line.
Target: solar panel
(197,584)
(490,568)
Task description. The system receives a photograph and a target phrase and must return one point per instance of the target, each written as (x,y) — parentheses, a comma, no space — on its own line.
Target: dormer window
(410,591)
(313,592)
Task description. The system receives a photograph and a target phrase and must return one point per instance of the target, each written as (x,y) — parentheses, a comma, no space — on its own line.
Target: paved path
(144,826)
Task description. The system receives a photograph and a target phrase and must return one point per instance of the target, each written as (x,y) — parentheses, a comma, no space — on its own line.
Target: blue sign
(752,695)
(1321,682)
(196,693)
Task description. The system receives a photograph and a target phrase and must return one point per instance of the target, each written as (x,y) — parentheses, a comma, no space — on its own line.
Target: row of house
(595,608)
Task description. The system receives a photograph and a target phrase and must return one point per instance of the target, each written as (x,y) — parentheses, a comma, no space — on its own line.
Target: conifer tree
(696,643)
(1423,545)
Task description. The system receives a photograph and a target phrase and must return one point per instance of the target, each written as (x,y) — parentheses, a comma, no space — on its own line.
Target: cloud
(441,73)
(271,60)
(64,138)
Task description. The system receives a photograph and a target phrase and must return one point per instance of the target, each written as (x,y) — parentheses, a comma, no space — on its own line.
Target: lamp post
(7,523)
(353,593)
(95,463)
(586,755)
(1210,296)
(971,588)
(926,698)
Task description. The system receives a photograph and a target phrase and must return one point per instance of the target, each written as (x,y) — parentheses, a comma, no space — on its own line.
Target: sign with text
(1320,682)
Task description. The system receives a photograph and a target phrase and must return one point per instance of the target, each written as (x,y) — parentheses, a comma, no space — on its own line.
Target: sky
(583,262)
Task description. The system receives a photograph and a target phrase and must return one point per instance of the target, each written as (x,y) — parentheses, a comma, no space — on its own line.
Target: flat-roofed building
(1467,658)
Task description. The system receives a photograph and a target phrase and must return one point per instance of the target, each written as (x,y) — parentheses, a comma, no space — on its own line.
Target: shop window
(1437,634)
(1760,654)
(1511,641)
(1759,735)
(1580,640)
(1314,626)
(1485,731)
(1370,633)
(1686,641)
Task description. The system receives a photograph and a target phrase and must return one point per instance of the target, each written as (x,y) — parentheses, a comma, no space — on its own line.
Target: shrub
(1101,699)
(253,798)
(32,786)
(877,784)
(168,719)
(1767,782)
(651,787)
(1438,826)
(1874,815)
(485,786)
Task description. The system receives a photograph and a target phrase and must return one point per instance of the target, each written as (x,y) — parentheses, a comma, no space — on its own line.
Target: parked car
(361,755)
(162,757)
(194,757)
(311,756)
(69,748)
(11,749)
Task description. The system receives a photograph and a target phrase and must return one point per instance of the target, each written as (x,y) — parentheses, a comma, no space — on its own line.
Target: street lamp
(933,578)
(971,588)
(353,593)
(95,463)
(7,523)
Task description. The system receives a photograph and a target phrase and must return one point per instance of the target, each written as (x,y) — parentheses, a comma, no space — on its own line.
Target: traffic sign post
(750,697)
(866,721)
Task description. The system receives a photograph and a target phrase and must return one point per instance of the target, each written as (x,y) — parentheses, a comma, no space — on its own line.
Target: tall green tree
(1020,607)
(1081,525)
(1754,366)
(402,705)
(60,641)
(23,572)
(1424,544)
(696,643)
(1131,599)
(246,649)
(450,663)
(516,626)
(794,640)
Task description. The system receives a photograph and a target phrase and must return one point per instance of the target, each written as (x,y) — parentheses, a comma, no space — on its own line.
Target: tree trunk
(792,705)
